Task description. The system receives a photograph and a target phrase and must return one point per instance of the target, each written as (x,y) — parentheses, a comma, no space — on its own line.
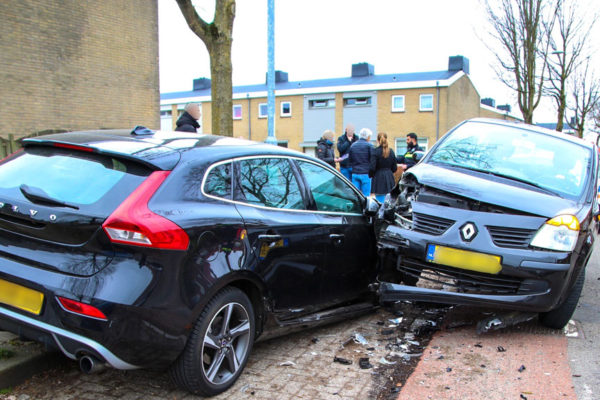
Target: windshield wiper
(512,178)
(37,195)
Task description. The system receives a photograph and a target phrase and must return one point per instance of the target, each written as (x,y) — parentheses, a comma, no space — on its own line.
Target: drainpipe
(437,117)
(249,118)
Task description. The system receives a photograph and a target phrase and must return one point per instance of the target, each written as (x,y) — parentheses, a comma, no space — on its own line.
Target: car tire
(216,353)
(560,316)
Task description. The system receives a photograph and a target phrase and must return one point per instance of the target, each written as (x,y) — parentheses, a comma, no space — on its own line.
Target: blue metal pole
(271,73)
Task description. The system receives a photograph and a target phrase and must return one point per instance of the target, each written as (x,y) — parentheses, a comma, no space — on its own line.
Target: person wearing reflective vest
(407,160)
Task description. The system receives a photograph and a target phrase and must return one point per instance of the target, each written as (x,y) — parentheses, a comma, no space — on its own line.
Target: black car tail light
(133,222)
(81,308)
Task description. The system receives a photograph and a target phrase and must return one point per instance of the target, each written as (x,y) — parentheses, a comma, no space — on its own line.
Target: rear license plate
(463,259)
(21,297)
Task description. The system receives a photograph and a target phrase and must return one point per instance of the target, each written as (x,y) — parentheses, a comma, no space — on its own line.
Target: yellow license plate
(21,297)
(463,259)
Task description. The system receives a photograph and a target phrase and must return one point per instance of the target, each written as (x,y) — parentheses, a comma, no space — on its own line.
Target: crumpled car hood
(493,192)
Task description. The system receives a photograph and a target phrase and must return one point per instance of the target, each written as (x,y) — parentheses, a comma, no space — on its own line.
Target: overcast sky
(317,39)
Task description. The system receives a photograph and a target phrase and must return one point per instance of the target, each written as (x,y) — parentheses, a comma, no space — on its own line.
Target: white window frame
(394,109)
(421,102)
(317,104)
(281,113)
(261,115)
(238,106)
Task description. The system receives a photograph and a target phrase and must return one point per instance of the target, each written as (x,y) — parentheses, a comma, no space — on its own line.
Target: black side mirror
(371,207)
(418,155)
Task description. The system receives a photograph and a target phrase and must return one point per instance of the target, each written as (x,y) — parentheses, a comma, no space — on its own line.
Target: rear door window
(71,177)
(268,182)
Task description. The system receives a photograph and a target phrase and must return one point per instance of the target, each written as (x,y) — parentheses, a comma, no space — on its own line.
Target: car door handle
(269,238)
(336,236)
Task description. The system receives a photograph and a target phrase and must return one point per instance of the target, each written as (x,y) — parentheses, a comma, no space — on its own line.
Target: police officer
(407,160)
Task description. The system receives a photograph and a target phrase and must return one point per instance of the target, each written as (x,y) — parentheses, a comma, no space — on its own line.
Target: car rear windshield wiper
(37,195)
(512,178)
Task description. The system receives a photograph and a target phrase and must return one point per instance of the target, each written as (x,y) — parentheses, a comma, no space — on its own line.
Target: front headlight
(560,234)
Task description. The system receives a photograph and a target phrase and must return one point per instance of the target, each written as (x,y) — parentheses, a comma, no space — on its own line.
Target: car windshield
(559,166)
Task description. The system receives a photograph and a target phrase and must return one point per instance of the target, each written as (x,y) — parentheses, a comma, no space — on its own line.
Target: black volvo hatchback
(149,249)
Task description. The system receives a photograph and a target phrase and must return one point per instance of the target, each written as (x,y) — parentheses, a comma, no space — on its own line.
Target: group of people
(371,169)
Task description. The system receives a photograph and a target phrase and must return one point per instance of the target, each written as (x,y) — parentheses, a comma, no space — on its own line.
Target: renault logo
(468,231)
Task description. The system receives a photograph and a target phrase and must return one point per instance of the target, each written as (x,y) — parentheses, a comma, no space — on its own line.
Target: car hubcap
(225,343)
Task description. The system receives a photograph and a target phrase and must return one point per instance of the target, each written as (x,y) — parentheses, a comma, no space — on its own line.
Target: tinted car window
(268,182)
(64,176)
(218,181)
(555,164)
(329,191)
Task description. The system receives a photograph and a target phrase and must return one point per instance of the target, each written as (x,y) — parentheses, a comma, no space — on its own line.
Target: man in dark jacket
(343,145)
(188,121)
(362,161)
(325,148)
(408,160)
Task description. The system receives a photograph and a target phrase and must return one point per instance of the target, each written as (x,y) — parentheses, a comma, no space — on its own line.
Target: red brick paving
(479,371)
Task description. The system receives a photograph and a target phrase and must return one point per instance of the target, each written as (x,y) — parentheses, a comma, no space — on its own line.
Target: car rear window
(66,176)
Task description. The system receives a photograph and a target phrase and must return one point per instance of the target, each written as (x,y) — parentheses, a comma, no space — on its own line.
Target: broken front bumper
(528,280)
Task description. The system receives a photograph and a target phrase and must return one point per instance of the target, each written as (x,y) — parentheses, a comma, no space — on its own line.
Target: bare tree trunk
(217,37)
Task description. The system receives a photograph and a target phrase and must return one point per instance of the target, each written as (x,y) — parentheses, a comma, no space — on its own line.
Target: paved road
(584,350)
(300,366)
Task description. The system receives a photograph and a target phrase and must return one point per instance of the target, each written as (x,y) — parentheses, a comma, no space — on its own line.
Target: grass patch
(6,391)
(5,354)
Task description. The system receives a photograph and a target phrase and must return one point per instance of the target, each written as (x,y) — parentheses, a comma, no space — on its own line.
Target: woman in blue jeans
(385,166)
(362,161)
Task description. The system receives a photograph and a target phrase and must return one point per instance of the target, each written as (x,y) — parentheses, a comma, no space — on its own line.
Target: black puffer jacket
(361,157)
(325,152)
(343,146)
(187,123)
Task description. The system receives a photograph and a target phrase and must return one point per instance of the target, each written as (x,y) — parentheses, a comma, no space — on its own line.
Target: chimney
(504,107)
(458,63)
(362,69)
(280,77)
(488,101)
(201,83)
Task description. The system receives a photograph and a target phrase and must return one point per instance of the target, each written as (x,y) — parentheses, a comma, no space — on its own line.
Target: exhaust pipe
(90,364)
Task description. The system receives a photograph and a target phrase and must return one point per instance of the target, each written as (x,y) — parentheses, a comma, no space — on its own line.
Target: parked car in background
(497,214)
(149,249)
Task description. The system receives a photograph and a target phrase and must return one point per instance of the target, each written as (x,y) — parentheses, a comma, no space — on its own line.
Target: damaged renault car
(497,214)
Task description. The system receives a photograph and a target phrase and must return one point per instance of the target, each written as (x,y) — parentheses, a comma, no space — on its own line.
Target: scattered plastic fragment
(370,348)
(287,364)
(571,329)
(386,362)
(364,363)
(380,323)
(576,376)
(523,396)
(395,390)
(342,360)
(522,368)
(315,340)
(501,349)
(440,358)
(413,342)
(358,338)
(504,321)
(478,345)
(448,369)
(396,321)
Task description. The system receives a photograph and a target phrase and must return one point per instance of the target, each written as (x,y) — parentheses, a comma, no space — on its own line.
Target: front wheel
(559,317)
(219,345)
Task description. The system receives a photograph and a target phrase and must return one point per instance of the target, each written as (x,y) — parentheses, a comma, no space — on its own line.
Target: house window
(263,111)
(401,145)
(237,111)
(426,102)
(357,101)
(322,103)
(286,109)
(397,103)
